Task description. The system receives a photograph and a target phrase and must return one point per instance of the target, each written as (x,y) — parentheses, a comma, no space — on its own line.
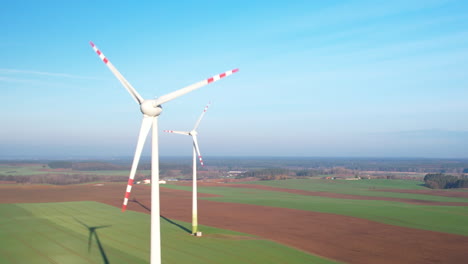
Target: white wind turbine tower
(196,150)
(151,109)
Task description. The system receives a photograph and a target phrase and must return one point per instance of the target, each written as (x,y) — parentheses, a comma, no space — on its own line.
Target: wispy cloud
(15,80)
(427,133)
(40,73)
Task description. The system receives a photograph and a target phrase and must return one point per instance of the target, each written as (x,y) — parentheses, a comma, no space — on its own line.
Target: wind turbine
(196,150)
(151,110)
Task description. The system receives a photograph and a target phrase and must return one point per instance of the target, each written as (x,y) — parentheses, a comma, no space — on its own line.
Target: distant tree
(95,166)
(442,181)
(462,183)
(306,173)
(60,164)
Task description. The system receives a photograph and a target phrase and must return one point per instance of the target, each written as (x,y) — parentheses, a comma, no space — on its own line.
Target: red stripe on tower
(127,195)
(124,207)
(222,75)
(210,80)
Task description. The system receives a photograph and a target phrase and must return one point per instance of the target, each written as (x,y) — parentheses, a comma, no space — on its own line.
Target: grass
(52,233)
(343,186)
(448,219)
(361,187)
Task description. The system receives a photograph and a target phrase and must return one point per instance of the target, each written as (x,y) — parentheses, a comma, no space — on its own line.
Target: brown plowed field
(343,238)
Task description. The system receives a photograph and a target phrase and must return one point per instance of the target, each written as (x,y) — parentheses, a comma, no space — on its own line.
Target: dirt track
(347,239)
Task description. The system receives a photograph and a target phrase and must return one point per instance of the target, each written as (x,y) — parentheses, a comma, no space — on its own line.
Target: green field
(362,187)
(343,186)
(52,233)
(448,219)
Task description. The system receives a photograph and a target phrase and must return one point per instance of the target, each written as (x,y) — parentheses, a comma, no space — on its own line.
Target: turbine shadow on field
(134,200)
(92,231)
(176,224)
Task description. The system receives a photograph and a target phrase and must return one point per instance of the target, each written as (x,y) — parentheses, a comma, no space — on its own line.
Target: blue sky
(317,78)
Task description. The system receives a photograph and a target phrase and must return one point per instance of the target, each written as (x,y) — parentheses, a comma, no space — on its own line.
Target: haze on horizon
(324,79)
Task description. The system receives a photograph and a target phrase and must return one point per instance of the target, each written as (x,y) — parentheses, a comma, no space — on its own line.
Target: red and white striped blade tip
(168,131)
(100,54)
(127,194)
(201,161)
(222,75)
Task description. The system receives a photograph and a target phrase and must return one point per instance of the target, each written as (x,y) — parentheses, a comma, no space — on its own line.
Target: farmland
(309,223)
(450,219)
(52,233)
(282,221)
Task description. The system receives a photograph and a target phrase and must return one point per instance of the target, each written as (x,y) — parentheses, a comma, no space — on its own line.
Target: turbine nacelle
(193,133)
(150,108)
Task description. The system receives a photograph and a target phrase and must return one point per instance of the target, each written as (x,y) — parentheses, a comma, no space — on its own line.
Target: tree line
(84,166)
(442,181)
(99,166)
(62,179)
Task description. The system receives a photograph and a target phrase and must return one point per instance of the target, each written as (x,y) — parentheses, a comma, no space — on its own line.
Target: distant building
(148,181)
(172,179)
(353,179)
(235,173)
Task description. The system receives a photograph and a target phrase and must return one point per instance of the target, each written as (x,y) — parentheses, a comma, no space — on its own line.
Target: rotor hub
(149,108)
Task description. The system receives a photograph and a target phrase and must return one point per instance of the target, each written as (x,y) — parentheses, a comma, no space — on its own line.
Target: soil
(342,238)
(7,182)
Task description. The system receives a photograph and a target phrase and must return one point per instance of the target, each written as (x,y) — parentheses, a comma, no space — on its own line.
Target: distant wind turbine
(151,110)
(196,150)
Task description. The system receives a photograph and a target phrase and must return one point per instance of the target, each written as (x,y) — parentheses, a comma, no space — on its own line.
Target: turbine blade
(195,145)
(144,130)
(171,96)
(119,76)
(177,132)
(201,116)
